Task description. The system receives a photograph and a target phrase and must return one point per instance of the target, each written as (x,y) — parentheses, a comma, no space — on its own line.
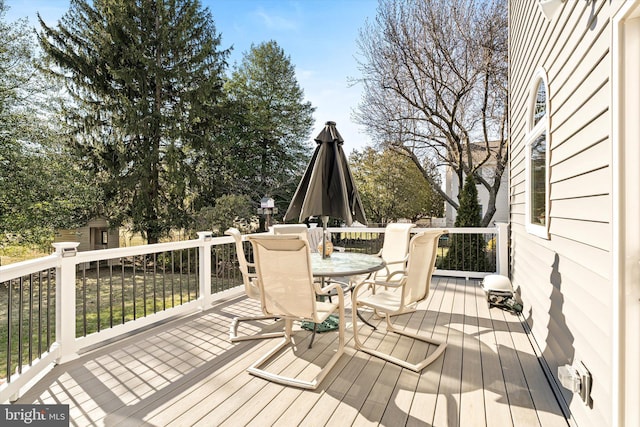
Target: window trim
(533,132)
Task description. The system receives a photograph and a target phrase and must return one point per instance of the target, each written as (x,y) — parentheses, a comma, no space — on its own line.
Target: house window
(105,237)
(537,159)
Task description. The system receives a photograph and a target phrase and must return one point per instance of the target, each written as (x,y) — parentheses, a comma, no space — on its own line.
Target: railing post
(205,267)
(503,248)
(66,301)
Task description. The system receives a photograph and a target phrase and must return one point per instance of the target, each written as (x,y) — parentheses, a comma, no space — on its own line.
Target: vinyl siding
(565,281)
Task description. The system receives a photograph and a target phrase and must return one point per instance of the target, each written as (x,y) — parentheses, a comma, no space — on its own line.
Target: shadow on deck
(186,372)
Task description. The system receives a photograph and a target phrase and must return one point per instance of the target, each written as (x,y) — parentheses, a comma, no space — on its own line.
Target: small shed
(96,234)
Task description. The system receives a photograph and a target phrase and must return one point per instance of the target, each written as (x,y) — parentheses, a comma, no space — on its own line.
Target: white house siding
(566,281)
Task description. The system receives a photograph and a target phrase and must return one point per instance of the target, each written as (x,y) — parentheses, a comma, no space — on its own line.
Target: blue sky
(319,36)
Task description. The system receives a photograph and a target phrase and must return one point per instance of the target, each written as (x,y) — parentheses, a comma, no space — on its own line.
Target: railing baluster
(173,279)
(220,267)
(155,272)
(98,288)
(84,300)
(164,285)
(226,266)
(122,290)
(30,321)
(180,278)
(49,304)
(188,275)
(236,270)
(144,285)
(9,327)
(40,313)
(133,286)
(476,246)
(111,294)
(214,270)
(20,319)
(196,273)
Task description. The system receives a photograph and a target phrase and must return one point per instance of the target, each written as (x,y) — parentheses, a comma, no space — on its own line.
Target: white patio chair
(402,292)
(395,249)
(395,252)
(300,229)
(287,290)
(252,291)
(315,238)
(312,235)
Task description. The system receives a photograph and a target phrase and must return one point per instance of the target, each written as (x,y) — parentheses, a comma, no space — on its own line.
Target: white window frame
(535,130)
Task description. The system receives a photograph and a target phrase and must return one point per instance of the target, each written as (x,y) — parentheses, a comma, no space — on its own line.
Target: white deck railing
(60,271)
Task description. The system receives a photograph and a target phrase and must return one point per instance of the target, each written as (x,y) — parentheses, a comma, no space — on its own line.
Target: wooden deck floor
(186,373)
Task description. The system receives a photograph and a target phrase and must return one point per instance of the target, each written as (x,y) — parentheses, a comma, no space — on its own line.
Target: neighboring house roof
(479,152)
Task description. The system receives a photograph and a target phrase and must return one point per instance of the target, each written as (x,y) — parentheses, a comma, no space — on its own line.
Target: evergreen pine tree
(145,77)
(272,131)
(469,210)
(466,252)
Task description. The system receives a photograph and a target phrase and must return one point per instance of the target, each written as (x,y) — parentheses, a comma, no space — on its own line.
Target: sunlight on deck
(186,372)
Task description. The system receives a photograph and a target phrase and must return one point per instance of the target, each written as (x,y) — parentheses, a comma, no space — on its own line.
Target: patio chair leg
(346,288)
(416,367)
(365,321)
(313,334)
(400,313)
(256,369)
(233,329)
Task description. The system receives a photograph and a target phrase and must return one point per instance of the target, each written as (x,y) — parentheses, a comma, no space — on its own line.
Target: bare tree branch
(434,74)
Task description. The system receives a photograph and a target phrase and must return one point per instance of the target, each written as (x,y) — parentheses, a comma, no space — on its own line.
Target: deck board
(472,406)
(186,373)
(519,397)
(497,409)
(448,395)
(425,399)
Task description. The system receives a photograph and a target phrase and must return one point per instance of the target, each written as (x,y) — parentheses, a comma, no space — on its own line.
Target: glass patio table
(344,264)
(340,264)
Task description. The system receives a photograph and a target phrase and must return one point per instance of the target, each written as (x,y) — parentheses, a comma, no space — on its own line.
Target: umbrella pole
(325,221)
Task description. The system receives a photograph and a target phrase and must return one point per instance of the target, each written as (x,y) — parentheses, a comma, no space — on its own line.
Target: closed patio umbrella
(327,188)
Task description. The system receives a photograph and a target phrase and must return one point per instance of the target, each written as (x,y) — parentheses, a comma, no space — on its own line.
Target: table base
(330,324)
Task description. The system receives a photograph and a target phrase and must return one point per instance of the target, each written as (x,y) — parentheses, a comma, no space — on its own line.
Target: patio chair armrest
(374,283)
(401,262)
(396,261)
(330,287)
(342,284)
(389,282)
(357,287)
(346,286)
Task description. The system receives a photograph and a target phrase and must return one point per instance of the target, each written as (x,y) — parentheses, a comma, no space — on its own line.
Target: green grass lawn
(106,297)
